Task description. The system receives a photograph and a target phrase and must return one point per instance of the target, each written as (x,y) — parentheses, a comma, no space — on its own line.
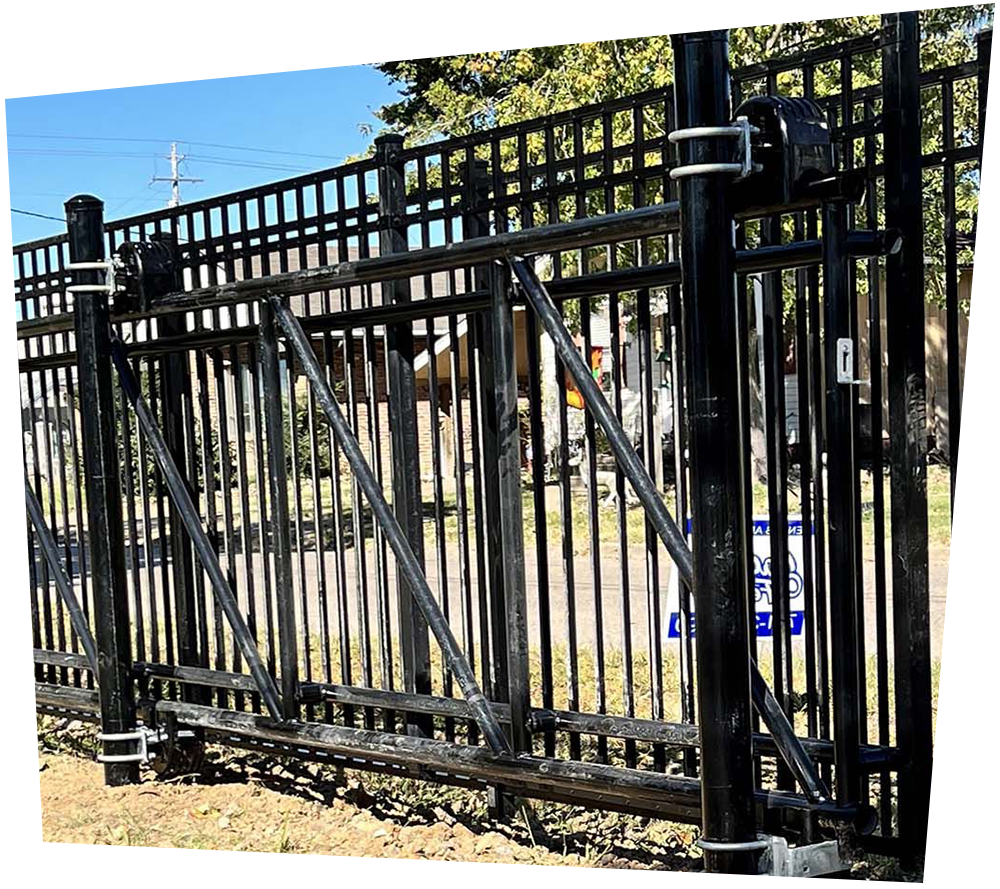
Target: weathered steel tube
(905,345)
(645,788)
(571,235)
(407,562)
(762,259)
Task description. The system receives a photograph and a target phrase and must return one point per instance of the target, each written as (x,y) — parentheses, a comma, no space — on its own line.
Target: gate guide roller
(792,152)
(146,269)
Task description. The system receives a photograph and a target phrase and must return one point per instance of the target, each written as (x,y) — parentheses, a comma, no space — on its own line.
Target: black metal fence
(556,584)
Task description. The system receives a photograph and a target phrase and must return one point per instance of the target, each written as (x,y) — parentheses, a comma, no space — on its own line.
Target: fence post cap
(83,202)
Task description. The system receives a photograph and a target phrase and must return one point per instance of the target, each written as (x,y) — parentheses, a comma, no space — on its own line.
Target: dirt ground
(293,810)
(243,801)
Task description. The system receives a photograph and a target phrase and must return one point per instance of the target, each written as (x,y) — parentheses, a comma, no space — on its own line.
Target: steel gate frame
(510,766)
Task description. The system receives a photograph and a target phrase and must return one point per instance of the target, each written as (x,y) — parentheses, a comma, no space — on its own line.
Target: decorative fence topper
(276,441)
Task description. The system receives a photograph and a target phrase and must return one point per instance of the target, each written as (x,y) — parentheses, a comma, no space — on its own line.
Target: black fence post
(907,425)
(721,565)
(484,338)
(406,494)
(105,530)
(841,371)
(511,518)
(176,401)
(277,470)
(496,675)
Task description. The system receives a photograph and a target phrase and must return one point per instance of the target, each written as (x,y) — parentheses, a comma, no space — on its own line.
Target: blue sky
(314,112)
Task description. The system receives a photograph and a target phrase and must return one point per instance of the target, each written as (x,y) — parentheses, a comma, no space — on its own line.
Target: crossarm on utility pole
(774,718)
(408,563)
(50,551)
(181,499)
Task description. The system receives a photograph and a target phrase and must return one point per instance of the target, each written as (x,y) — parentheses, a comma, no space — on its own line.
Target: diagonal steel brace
(181,499)
(789,746)
(408,563)
(50,551)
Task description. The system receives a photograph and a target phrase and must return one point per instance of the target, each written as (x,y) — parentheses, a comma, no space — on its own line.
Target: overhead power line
(35,151)
(39,215)
(331,157)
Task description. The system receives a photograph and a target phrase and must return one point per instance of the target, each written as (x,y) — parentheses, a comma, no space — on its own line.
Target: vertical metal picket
(511,519)
(984,50)
(485,338)
(105,529)
(270,372)
(406,494)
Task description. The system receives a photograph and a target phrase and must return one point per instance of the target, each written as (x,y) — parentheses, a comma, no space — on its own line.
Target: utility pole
(175,179)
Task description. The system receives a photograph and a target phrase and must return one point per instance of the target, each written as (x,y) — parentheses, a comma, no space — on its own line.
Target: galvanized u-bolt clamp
(741,129)
(144,736)
(108,267)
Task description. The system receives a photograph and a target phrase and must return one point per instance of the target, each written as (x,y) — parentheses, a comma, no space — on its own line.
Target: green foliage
(142,459)
(304,432)
(459,95)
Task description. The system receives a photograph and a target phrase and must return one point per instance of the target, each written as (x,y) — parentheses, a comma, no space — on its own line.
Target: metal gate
(301,458)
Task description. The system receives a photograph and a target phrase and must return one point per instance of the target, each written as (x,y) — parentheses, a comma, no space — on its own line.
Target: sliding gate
(439,463)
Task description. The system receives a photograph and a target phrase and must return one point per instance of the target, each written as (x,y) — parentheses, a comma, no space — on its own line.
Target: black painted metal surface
(585,198)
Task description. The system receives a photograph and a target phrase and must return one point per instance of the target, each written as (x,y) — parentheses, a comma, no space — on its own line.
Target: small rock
(381,832)
(442,815)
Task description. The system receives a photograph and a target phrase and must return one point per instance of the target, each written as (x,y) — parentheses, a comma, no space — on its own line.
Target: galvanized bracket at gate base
(779,859)
(145,737)
(811,860)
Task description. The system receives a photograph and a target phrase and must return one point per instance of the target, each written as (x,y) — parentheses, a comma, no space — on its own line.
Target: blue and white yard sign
(762,580)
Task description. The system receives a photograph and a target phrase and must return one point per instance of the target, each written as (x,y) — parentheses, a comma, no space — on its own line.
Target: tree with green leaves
(457,95)
(462,94)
